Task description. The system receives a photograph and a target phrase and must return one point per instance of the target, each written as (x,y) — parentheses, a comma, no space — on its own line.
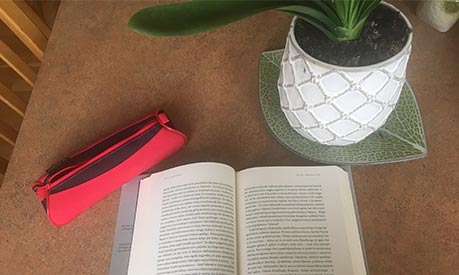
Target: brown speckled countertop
(97,76)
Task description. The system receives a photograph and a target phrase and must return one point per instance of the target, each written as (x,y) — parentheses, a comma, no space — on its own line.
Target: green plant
(340,20)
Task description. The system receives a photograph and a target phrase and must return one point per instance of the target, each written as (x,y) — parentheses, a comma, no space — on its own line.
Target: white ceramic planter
(437,14)
(336,105)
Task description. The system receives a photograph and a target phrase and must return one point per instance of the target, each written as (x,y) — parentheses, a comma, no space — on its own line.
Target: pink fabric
(64,206)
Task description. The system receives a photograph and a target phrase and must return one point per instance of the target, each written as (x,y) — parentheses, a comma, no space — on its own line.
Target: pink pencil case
(76,183)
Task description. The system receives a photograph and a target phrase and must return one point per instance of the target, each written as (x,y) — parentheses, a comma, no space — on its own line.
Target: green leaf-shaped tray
(400,139)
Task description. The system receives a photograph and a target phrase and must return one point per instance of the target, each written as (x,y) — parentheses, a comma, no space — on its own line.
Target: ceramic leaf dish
(400,139)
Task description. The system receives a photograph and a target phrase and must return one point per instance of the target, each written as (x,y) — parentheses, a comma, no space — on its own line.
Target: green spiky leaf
(338,19)
(197,16)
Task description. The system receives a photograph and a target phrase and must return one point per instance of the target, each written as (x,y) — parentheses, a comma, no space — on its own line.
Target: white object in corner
(437,13)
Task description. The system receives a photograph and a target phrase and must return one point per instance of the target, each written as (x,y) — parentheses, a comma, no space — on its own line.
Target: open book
(206,218)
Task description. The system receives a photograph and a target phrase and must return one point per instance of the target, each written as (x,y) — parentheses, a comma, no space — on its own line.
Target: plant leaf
(313,21)
(346,4)
(357,29)
(310,12)
(325,8)
(340,10)
(371,5)
(356,9)
(197,16)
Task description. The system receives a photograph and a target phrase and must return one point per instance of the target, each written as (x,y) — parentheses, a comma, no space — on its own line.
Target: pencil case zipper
(71,172)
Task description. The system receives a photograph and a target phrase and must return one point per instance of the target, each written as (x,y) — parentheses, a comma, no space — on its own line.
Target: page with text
(297,220)
(185,222)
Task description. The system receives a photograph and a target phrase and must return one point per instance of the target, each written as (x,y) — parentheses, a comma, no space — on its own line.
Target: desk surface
(97,76)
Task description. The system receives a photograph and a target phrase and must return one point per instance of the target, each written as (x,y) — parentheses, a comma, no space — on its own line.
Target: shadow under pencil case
(76,183)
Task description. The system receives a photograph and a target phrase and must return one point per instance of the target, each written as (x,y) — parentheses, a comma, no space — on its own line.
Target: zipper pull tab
(41,189)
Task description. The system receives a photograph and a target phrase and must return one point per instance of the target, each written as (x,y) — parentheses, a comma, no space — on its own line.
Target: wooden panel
(33,16)
(10,38)
(15,18)
(16,63)
(5,150)
(13,101)
(9,78)
(3,165)
(46,9)
(19,85)
(7,133)
(10,117)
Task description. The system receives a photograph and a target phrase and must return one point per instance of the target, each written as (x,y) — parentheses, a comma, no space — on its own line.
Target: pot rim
(358,68)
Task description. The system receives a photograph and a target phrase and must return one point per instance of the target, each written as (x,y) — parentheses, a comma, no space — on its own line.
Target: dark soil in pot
(384,35)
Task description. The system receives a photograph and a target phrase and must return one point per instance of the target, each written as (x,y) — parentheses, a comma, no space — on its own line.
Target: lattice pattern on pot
(337,107)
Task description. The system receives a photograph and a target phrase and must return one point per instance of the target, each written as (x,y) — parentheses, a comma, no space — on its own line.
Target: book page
(185,222)
(124,227)
(297,220)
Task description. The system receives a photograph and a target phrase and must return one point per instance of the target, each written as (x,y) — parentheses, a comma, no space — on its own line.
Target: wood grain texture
(10,117)
(3,167)
(6,150)
(22,20)
(7,133)
(208,84)
(12,100)
(34,18)
(17,64)
(46,9)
